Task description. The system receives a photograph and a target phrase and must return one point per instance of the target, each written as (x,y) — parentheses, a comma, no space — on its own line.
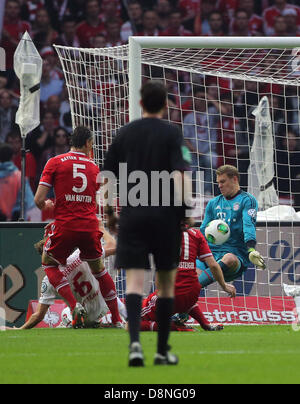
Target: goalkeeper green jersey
(240,214)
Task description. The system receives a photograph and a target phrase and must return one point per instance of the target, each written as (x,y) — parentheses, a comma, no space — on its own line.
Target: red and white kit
(187,286)
(75,181)
(83,284)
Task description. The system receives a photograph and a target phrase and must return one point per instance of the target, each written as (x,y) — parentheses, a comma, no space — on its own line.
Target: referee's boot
(168,359)
(136,356)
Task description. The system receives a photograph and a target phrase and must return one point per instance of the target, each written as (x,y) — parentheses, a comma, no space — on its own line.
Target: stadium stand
(108,23)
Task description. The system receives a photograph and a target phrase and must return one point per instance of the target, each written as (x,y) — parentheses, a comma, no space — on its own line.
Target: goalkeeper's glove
(256,258)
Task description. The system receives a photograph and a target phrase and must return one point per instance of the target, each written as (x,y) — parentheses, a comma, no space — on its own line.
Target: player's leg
(134,296)
(196,313)
(91,251)
(187,303)
(51,267)
(166,253)
(132,254)
(164,311)
(230,265)
(148,320)
(205,275)
(61,285)
(58,247)
(107,288)
(122,309)
(58,281)
(164,307)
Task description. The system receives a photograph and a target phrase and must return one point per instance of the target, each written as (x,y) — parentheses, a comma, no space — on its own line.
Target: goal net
(237,103)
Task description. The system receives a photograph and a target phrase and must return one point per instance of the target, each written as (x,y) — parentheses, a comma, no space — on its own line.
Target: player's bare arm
(110,242)
(40,198)
(36,317)
(218,275)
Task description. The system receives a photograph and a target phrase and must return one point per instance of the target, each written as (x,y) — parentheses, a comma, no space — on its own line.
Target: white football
(217,232)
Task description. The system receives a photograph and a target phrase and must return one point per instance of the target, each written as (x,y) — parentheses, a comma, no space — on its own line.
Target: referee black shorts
(149,230)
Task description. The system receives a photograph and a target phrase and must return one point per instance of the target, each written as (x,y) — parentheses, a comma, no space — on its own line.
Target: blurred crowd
(106,23)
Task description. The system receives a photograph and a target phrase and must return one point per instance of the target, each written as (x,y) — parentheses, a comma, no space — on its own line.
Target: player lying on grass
(83,284)
(239,210)
(187,286)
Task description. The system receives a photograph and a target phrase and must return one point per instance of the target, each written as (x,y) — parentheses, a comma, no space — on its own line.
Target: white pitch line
(244,352)
(102,353)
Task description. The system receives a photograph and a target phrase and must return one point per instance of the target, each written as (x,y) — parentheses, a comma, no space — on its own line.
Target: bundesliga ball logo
(217,232)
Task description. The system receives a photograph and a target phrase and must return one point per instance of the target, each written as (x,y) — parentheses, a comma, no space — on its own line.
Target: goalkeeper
(239,210)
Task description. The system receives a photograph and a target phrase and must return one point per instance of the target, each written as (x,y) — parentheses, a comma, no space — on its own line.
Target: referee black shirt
(147,145)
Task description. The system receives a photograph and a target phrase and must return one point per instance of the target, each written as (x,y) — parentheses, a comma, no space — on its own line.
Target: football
(217,232)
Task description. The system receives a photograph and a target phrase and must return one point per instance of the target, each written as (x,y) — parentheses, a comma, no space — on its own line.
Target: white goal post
(215,84)
(136,44)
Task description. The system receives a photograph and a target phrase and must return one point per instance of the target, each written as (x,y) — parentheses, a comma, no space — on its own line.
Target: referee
(149,145)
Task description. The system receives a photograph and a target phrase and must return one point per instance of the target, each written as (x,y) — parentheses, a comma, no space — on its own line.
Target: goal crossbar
(215,42)
(136,44)
(177,52)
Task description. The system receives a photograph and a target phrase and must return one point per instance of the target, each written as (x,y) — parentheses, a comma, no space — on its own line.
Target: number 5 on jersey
(78,174)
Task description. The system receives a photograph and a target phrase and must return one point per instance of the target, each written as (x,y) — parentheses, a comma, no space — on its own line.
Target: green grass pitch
(239,354)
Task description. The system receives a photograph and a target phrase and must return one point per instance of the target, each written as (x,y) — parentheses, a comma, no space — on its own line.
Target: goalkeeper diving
(239,210)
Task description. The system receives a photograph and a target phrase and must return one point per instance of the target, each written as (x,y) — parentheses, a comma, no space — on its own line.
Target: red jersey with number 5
(75,180)
(193,246)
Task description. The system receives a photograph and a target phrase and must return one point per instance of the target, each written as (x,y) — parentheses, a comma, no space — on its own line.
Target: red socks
(197,314)
(109,293)
(61,285)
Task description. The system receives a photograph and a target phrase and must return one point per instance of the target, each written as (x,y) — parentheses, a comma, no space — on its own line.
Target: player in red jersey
(187,286)
(74,177)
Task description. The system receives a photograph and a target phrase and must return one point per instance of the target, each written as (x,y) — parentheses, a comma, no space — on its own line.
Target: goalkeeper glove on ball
(256,258)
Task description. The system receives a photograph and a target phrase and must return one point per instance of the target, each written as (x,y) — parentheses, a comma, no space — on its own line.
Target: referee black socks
(164,311)
(134,307)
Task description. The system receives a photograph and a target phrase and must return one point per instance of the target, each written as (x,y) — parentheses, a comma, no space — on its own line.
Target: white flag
(261,169)
(28,67)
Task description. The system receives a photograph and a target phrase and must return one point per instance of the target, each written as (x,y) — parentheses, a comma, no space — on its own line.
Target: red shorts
(61,243)
(183,303)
